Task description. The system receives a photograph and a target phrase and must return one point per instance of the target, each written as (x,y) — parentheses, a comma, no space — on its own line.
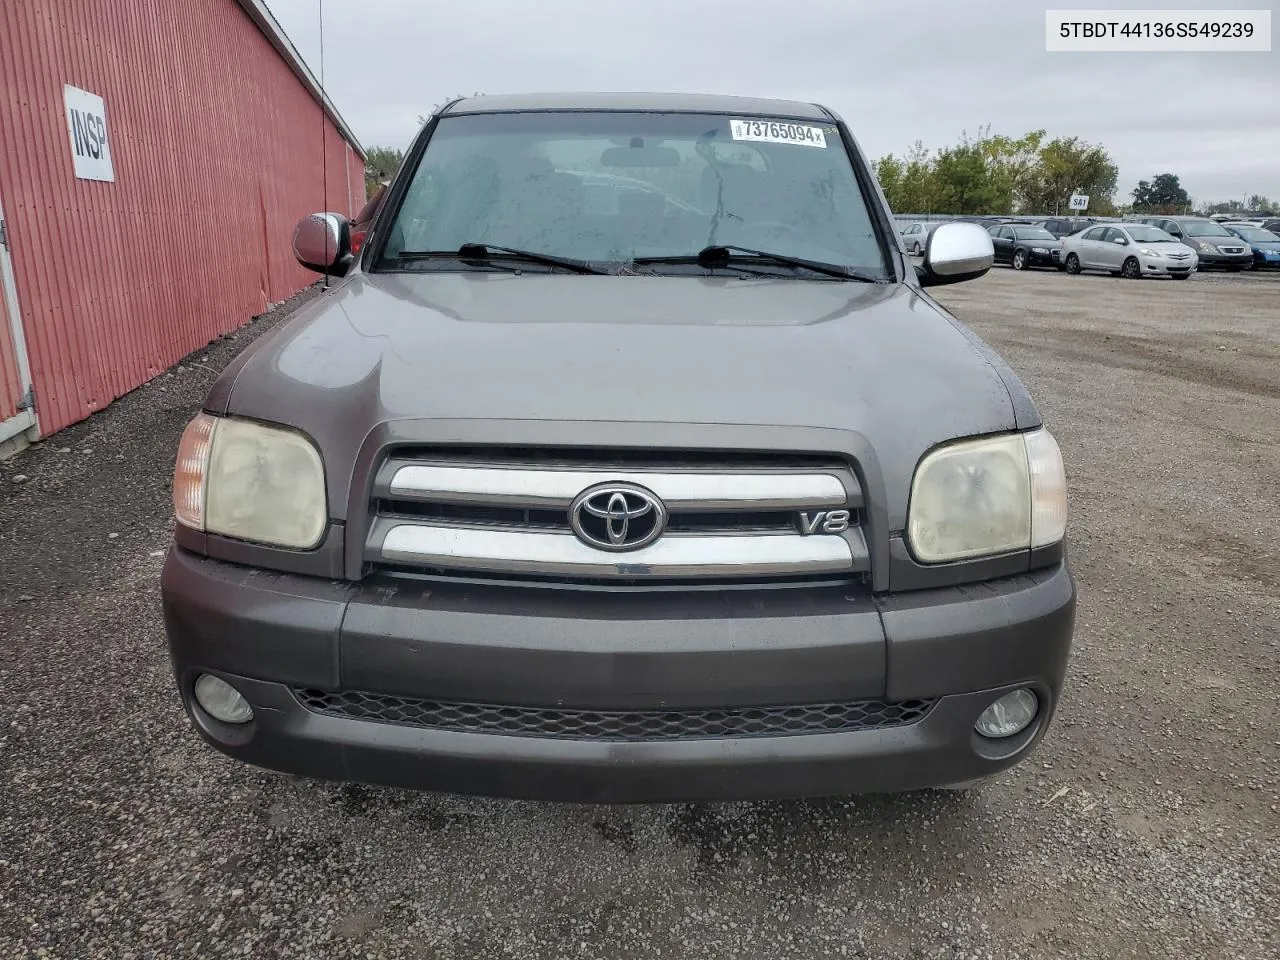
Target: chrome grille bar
(532,488)
(736,517)
(498,550)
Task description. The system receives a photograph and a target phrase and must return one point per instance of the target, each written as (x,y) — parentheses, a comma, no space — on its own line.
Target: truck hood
(878,359)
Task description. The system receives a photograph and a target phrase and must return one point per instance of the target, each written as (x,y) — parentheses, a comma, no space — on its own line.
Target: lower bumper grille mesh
(555,723)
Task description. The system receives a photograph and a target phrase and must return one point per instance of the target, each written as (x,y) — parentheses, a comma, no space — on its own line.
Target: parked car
(1225,218)
(1215,246)
(1273,225)
(1065,226)
(1024,246)
(543,503)
(1264,244)
(987,221)
(915,236)
(1132,250)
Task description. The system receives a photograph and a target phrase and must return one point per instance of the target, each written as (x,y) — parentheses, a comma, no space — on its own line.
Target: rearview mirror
(322,242)
(640,157)
(956,252)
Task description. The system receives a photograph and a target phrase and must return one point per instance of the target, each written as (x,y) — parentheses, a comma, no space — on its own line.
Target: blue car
(1265,244)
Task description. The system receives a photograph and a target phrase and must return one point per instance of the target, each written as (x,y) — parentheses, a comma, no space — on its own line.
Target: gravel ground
(1147,825)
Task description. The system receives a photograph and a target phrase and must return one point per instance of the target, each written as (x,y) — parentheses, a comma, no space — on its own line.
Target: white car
(1132,250)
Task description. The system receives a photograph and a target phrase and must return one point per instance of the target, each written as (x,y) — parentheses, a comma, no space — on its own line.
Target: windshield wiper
(484,252)
(718,255)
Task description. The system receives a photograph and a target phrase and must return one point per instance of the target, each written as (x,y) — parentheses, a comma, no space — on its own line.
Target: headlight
(245,480)
(1206,247)
(988,496)
(1150,253)
(1040,250)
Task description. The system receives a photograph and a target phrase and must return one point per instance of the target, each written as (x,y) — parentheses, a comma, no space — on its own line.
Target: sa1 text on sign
(87,125)
(1079,201)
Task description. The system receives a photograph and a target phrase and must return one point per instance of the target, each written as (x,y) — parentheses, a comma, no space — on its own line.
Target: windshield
(606,188)
(1142,233)
(1257,235)
(1198,228)
(1033,233)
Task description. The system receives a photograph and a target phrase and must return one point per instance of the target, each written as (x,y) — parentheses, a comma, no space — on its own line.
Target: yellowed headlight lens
(987,496)
(242,479)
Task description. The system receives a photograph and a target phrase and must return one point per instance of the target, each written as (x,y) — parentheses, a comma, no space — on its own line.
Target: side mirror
(956,252)
(322,242)
(1120,241)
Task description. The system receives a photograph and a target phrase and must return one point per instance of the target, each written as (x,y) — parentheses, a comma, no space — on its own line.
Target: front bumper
(1224,260)
(1158,266)
(960,647)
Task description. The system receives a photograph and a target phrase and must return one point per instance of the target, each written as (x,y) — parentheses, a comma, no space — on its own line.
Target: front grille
(523,518)
(636,725)
(615,458)
(507,513)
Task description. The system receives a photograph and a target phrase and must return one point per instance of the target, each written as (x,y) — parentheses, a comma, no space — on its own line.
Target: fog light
(1009,715)
(221,700)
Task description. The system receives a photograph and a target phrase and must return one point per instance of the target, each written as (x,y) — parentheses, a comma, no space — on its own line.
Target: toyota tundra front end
(628,459)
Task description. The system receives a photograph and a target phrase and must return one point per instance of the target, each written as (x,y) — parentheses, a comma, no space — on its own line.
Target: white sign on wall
(1079,201)
(87,124)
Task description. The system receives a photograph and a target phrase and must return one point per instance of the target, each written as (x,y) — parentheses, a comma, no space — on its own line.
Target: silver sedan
(915,236)
(1131,250)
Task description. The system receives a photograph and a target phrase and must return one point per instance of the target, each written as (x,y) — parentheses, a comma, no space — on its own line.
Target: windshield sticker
(772,131)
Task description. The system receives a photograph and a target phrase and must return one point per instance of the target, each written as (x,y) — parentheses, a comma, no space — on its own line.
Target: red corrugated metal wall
(216,149)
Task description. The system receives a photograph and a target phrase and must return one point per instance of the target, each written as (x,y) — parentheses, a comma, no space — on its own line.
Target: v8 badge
(822,521)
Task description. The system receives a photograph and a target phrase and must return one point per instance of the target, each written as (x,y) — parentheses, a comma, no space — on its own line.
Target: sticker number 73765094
(777,131)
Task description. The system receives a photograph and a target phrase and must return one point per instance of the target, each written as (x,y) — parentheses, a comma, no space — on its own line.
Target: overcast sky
(897,71)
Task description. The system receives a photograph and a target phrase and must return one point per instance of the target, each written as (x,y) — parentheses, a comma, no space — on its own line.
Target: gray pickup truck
(628,459)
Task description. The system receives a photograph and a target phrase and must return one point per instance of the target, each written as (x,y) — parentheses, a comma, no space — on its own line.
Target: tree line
(991,174)
(995,174)
(381,163)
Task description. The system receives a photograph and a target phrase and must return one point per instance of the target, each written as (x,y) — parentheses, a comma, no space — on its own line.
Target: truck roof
(649,102)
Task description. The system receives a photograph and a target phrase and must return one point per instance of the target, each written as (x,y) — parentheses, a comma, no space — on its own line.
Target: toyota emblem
(617,516)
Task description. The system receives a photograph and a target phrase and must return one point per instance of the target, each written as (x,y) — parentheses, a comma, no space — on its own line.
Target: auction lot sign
(87,125)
